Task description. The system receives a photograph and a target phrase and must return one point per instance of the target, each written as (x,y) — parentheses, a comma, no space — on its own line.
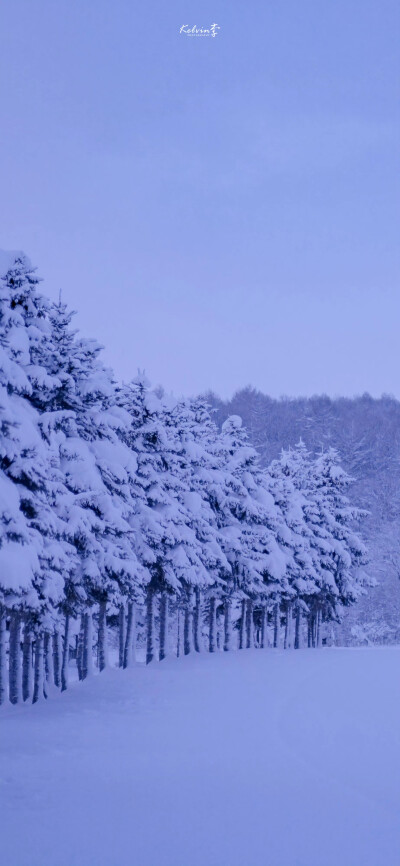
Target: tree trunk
(228,625)
(14,663)
(102,637)
(3,663)
(48,658)
(314,630)
(249,624)
(65,656)
(197,621)
(27,663)
(318,626)
(212,642)
(38,688)
(121,636)
(130,639)
(187,626)
(297,637)
(277,623)
(242,632)
(178,633)
(150,625)
(57,655)
(287,642)
(80,639)
(87,649)
(48,663)
(163,648)
(264,636)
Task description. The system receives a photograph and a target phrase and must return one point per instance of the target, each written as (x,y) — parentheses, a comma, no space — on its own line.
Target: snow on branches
(114,498)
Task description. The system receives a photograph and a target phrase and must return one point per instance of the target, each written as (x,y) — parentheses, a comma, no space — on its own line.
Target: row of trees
(366,432)
(114,498)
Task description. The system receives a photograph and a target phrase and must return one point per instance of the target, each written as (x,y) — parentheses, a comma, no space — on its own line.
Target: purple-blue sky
(220,211)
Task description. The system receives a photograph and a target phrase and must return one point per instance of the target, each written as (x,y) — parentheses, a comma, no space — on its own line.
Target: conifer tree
(258,558)
(36,565)
(167,544)
(99,470)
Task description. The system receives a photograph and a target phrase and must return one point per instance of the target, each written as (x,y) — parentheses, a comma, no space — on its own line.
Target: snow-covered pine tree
(79,414)
(257,556)
(347,555)
(196,466)
(167,544)
(35,588)
(145,437)
(287,480)
(335,554)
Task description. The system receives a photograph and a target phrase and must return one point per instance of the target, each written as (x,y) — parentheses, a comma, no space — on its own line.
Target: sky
(220,211)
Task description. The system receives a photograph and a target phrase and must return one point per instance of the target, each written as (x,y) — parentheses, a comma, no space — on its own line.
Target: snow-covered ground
(252,758)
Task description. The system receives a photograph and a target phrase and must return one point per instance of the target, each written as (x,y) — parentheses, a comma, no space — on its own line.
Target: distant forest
(366,431)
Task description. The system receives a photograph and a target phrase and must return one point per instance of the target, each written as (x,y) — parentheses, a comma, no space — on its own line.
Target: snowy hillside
(232,759)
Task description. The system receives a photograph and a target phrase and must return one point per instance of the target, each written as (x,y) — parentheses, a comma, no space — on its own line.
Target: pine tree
(167,544)
(88,426)
(334,554)
(347,554)
(194,461)
(34,556)
(258,556)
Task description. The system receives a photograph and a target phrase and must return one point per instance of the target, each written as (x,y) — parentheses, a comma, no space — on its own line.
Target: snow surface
(252,758)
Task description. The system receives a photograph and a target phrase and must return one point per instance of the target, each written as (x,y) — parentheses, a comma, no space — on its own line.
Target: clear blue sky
(220,211)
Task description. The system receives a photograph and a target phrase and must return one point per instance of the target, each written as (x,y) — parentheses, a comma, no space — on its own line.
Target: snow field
(251,758)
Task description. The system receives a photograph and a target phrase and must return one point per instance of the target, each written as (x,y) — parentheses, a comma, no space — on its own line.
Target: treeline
(114,498)
(366,432)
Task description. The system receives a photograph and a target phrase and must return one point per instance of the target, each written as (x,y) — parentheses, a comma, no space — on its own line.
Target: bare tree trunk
(288,629)
(277,623)
(319,635)
(163,648)
(314,630)
(57,655)
(242,632)
(150,625)
(297,637)
(38,687)
(80,639)
(197,621)
(89,643)
(102,637)
(187,625)
(286,637)
(121,635)
(27,662)
(178,633)
(264,637)
(249,624)
(87,654)
(14,662)
(80,643)
(65,656)
(130,639)
(48,663)
(3,662)
(228,625)
(212,643)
